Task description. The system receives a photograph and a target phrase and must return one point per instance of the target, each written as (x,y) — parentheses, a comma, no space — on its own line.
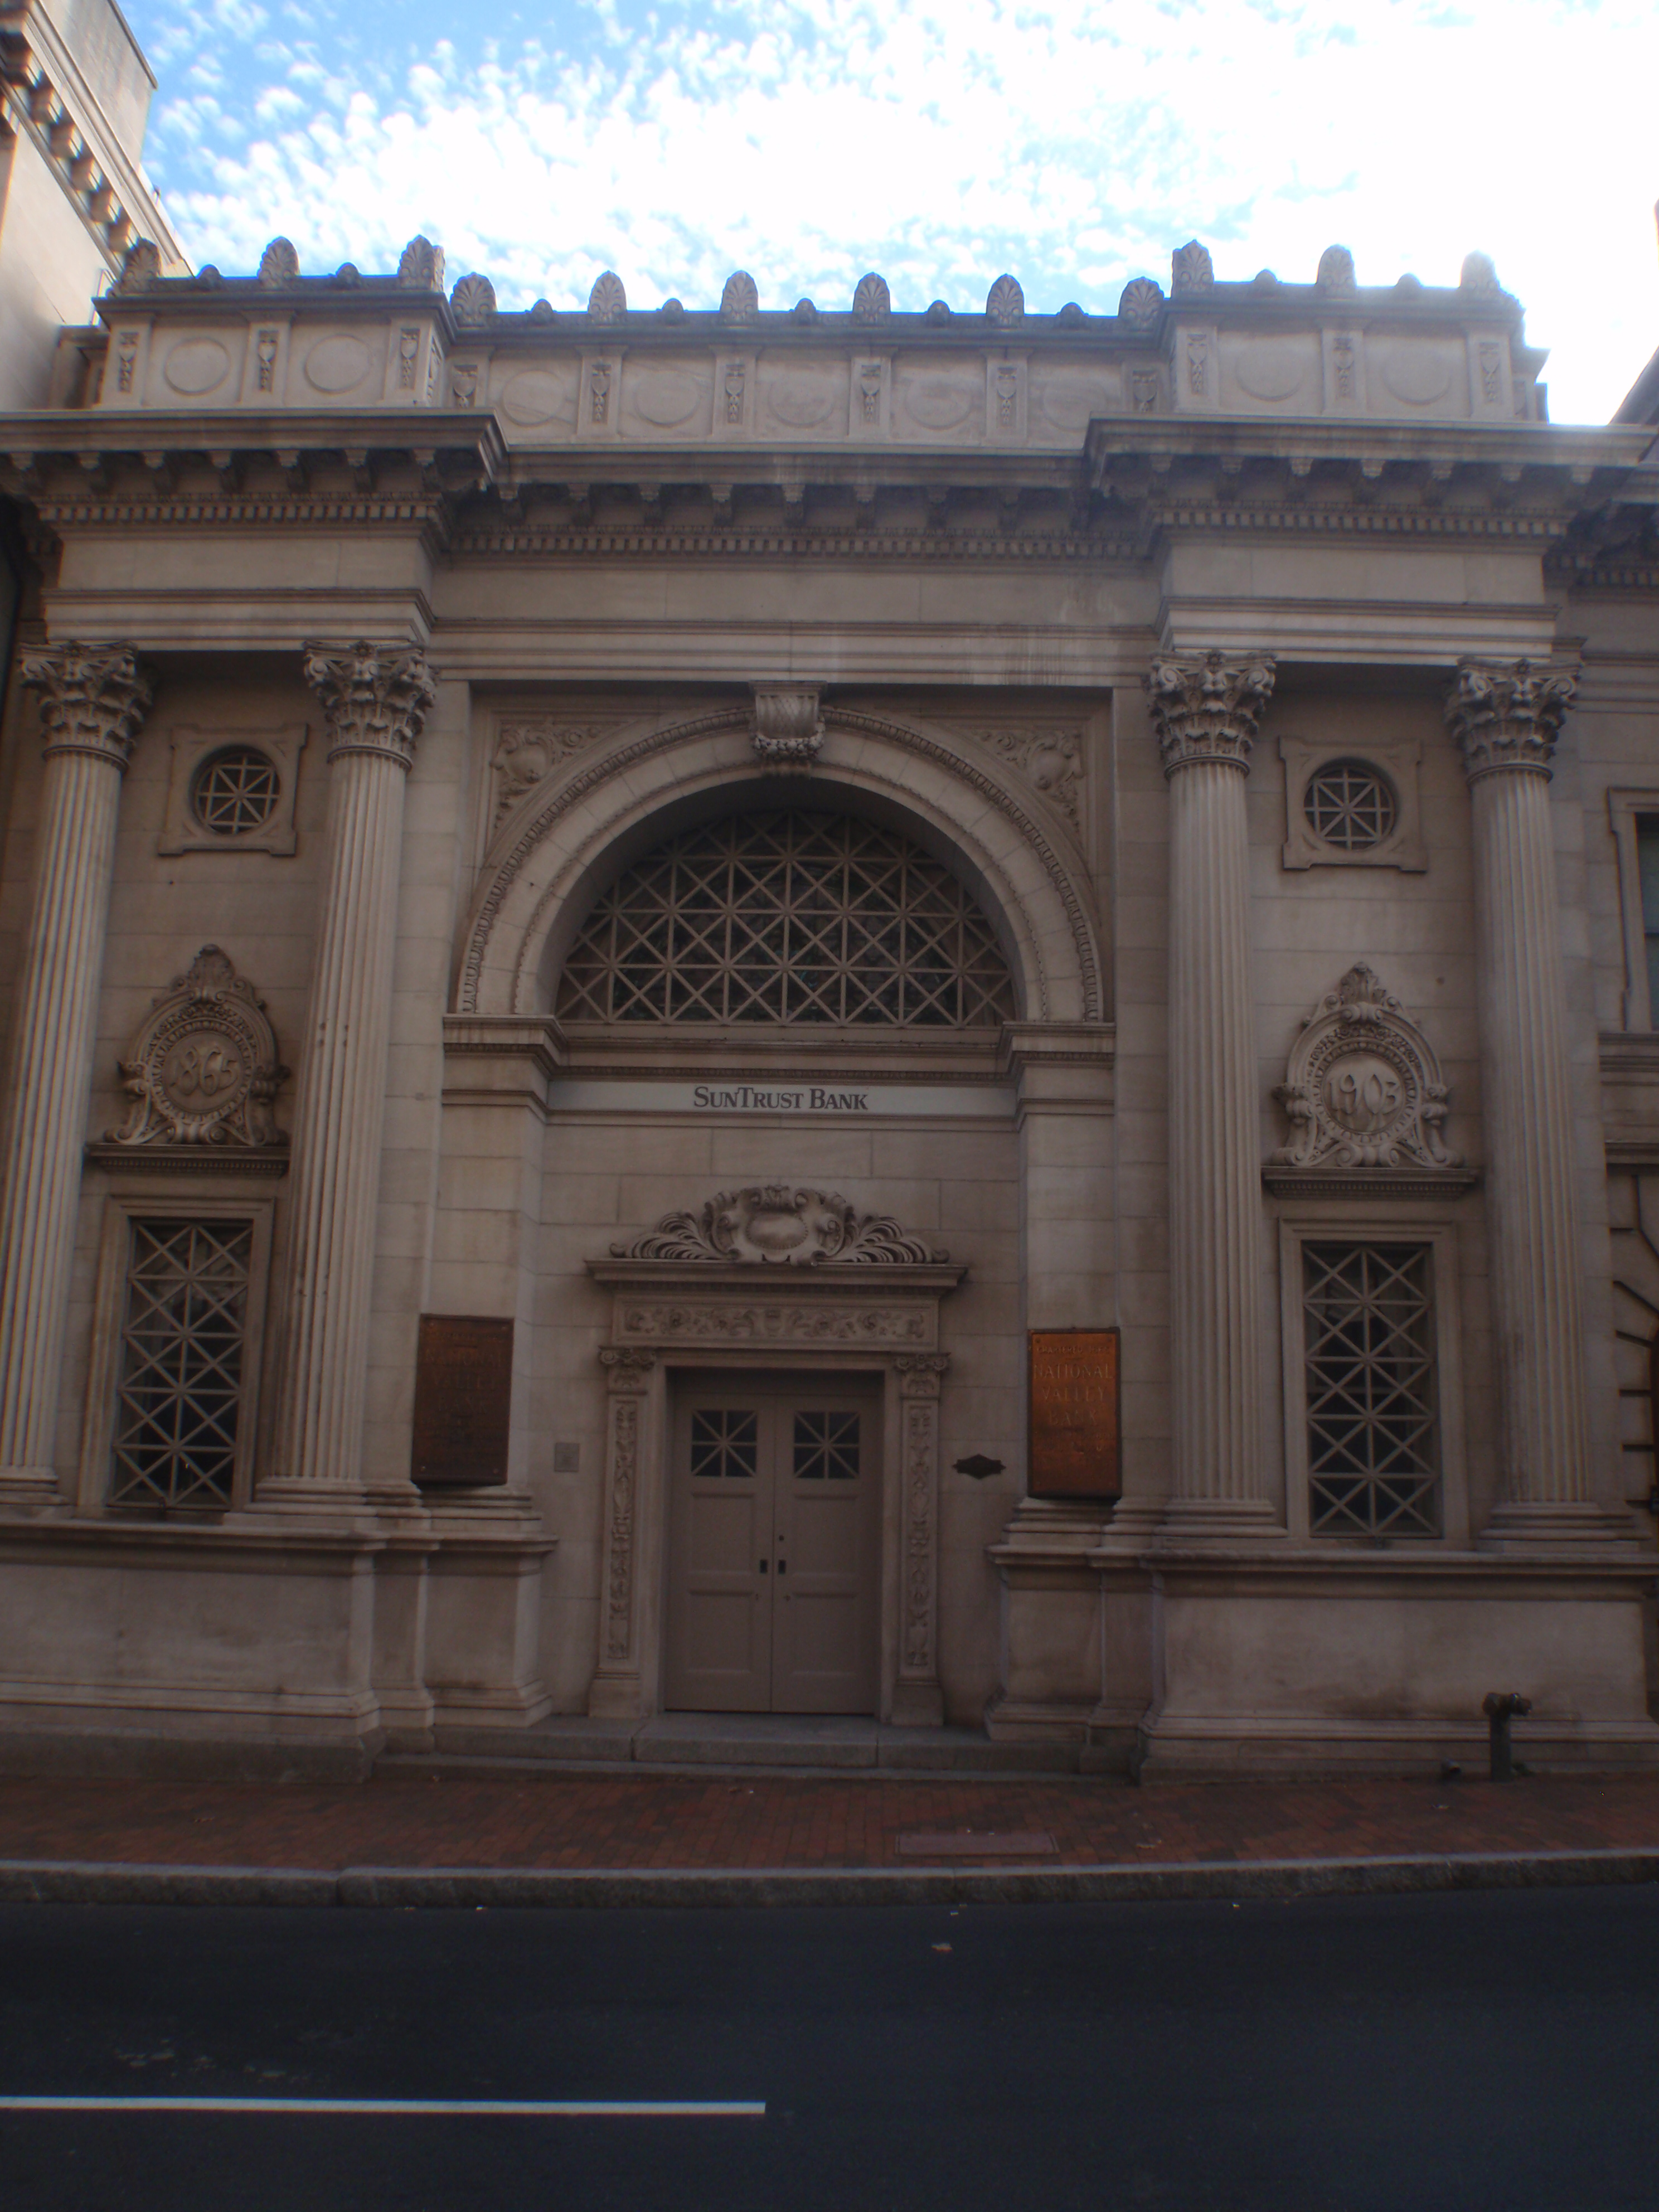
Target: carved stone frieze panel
(528,748)
(1049,759)
(203,1069)
(1363,1093)
(719,1321)
(780,1225)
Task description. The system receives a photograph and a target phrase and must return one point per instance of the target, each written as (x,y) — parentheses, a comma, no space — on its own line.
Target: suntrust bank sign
(974,1102)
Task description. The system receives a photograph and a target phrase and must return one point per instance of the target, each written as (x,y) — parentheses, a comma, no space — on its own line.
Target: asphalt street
(1397,2054)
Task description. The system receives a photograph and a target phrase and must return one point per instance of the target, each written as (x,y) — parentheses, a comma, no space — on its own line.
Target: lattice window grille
(235,791)
(184,1330)
(788,918)
(1349,805)
(724,1446)
(826,1447)
(1372,1442)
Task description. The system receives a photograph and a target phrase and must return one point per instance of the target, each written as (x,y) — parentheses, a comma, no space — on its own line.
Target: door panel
(720,1614)
(774,1548)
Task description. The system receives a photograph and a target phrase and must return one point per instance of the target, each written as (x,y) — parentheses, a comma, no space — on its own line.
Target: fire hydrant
(1500,1709)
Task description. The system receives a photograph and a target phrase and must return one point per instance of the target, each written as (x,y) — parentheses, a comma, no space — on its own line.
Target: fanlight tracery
(788,917)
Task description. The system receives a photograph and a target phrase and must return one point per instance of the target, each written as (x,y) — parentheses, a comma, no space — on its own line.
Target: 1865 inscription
(1075,1435)
(463,1401)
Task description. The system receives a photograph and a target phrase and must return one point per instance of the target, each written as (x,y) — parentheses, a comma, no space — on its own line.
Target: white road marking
(441,2107)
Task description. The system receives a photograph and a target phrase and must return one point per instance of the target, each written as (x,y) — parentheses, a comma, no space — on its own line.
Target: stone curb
(49,1882)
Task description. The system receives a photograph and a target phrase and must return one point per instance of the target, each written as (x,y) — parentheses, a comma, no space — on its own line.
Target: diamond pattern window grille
(1349,805)
(1372,1442)
(724,1446)
(235,791)
(183,1331)
(789,917)
(826,1447)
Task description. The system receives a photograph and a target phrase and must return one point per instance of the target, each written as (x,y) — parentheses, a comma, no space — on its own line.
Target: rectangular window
(183,1336)
(1373,1445)
(1647,871)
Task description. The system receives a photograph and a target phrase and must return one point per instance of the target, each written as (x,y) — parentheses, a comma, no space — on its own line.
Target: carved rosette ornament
(1206,708)
(788,726)
(1362,1089)
(204,1068)
(1507,715)
(93,699)
(776,1224)
(376,699)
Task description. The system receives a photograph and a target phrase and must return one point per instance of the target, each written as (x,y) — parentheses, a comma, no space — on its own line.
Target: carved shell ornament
(203,1069)
(1362,1088)
(778,1225)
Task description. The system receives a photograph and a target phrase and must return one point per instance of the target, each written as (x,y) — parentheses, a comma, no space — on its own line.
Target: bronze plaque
(1075,1436)
(463,1401)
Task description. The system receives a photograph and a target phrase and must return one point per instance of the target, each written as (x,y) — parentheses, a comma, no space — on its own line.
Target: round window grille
(234,791)
(1349,805)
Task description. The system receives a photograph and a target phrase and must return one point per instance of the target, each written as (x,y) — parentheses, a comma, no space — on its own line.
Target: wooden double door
(774,1545)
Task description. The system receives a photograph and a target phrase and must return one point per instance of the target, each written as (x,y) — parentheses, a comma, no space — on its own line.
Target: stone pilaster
(618,1691)
(1206,709)
(92,700)
(918,1697)
(375,702)
(1504,719)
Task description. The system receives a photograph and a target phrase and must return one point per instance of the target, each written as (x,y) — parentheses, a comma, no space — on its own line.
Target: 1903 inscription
(1075,1446)
(463,1401)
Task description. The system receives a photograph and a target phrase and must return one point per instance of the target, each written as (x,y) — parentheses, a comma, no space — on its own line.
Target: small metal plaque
(1075,1435)
(463,1401)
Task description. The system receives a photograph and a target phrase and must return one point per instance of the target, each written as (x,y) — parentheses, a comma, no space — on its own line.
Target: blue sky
(1074,142)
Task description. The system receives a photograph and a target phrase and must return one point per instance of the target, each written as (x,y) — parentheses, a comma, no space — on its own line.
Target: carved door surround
(848,1295)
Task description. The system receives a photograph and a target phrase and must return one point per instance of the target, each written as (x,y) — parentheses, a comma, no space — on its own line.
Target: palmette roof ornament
(1479,275)
(141,265)
(279,263)
(1336,270)
(1140,303)
(421,264)
(740,301)
(1005,303)
(1507,715)
(607,302)
(203,1069)
(1363,1087)
(1207,706)
(873,302)
(472,303)
(1191,270)
(776,1224)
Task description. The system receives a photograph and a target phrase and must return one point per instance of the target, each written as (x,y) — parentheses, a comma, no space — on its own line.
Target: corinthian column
(92,700)
(375,702)
(1205,710)
(1506,718)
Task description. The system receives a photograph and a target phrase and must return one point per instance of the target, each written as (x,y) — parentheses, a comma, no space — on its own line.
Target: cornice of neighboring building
(44,95)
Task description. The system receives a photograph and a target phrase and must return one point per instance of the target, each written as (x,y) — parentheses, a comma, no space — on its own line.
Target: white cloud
(941,141)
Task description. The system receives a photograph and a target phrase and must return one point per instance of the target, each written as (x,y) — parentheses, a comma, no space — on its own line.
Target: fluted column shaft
(92,700)
(375,703)
(1505,720)
(1207,712)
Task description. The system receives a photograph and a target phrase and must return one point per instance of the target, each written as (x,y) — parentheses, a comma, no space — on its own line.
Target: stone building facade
(670,883)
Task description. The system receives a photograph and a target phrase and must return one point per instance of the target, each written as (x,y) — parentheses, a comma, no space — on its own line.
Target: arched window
(788,917)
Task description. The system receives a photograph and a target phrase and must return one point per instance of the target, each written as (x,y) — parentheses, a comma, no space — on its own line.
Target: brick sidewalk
(638,1822)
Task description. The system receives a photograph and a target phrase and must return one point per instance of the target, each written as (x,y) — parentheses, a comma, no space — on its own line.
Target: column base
(1218,1520)
(30,1490)
(1524,1524)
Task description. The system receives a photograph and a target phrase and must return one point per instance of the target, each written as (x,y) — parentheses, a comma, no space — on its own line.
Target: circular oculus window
(1349,806)
(235,791)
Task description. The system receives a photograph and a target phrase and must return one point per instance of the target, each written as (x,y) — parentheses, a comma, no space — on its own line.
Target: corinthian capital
(1207,706)
(93,699)
(1506,714)
(376,698)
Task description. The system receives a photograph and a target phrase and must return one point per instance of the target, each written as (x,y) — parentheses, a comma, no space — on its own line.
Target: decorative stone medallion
(776,1223)
(203,1069)
(1363,1087)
